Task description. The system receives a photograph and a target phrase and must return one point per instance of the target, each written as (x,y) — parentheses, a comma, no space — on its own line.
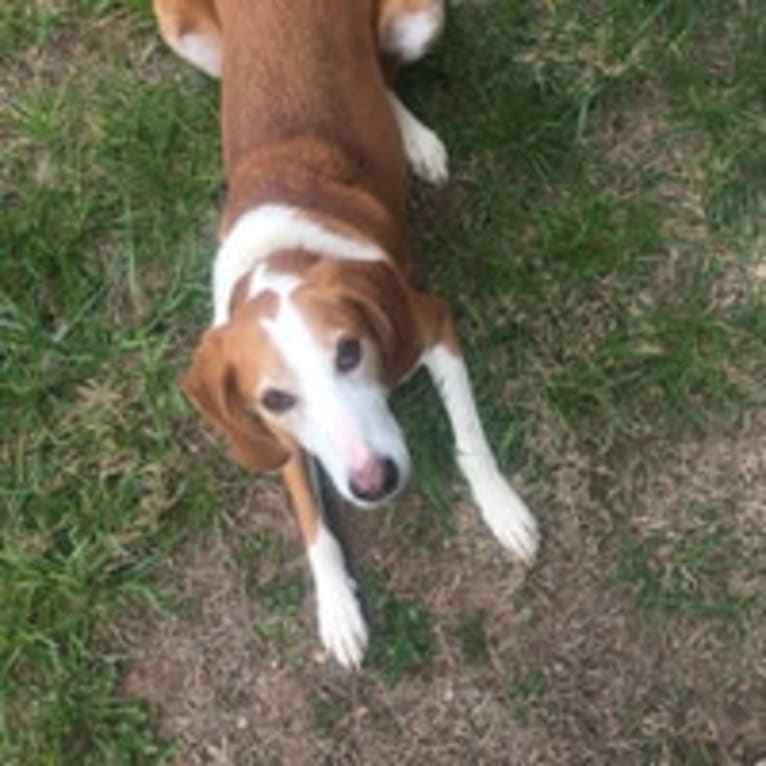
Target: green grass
(402,639)
(104,251)
(690,574)
(327,714)
(554,228)
(582,301)
(280,598)
(523,692)
(472,637)
(685,753)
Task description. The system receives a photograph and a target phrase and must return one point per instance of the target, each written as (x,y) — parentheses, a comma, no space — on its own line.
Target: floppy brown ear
(213,387)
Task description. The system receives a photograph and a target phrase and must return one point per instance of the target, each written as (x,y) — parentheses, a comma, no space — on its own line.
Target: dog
(315,321)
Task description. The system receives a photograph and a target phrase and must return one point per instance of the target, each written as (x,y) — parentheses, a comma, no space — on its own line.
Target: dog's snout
(375,480)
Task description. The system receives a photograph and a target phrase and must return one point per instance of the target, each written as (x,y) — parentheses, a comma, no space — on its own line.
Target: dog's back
(303,87)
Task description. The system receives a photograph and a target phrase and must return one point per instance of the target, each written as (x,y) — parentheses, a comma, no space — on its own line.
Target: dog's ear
(386,303)
(213,385)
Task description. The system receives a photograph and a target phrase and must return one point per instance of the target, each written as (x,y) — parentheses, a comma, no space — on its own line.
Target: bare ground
(574,673)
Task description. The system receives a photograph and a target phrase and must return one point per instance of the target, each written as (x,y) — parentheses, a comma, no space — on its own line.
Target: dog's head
(306,360)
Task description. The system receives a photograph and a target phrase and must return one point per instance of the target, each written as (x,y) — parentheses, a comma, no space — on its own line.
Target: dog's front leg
(341,624)
(501,508)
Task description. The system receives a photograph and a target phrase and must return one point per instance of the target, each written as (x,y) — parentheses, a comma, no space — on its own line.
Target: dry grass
(569,672)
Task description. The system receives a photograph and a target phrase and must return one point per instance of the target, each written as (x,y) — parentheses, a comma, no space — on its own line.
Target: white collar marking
(269,228)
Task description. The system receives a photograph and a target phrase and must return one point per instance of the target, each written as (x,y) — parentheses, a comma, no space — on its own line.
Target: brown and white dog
(314,320)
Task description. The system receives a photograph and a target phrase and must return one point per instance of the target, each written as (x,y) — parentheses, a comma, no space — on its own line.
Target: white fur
(269,228)
(262,279)
(201,51)
(501,508)
(341,624)
(341,418)
(425,151)
(410,35)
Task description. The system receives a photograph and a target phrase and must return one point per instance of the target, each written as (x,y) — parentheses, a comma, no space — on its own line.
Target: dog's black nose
(390,476)
(372,485)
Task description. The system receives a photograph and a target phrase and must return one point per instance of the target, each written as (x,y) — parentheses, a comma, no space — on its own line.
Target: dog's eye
(348,354)
(275,400)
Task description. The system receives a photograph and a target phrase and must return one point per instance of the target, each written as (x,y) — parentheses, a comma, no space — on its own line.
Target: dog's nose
(378,478)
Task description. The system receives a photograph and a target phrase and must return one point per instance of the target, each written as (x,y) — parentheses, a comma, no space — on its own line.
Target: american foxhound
(314,320)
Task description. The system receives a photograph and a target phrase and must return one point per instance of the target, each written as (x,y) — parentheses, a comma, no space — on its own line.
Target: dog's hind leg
(406,31)
(191,28)
(408,28)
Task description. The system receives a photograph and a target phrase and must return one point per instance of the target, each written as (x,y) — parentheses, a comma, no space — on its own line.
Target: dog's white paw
(341,624)
(507,516)
(426,154)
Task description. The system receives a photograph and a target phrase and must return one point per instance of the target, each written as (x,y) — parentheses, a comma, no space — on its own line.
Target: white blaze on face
(342,418)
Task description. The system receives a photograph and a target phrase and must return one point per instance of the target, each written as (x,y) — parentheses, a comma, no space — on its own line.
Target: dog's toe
(510,520)
(427,155)
(341,624)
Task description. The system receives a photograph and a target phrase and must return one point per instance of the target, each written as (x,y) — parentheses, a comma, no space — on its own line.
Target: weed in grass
(523,692)
(279,600)
(683,752)
(327,714)
(281,596)
(402,640)
(473,640)
(686,576)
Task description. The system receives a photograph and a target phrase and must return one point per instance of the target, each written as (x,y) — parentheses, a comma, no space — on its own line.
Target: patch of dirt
(231,697)
(218,686)
(573,672)
(622,683)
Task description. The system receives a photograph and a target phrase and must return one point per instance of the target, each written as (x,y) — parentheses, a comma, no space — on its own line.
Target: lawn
(601,242)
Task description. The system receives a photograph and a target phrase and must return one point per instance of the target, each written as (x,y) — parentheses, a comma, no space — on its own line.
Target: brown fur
(378,294)
(224,370)
(305,114)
